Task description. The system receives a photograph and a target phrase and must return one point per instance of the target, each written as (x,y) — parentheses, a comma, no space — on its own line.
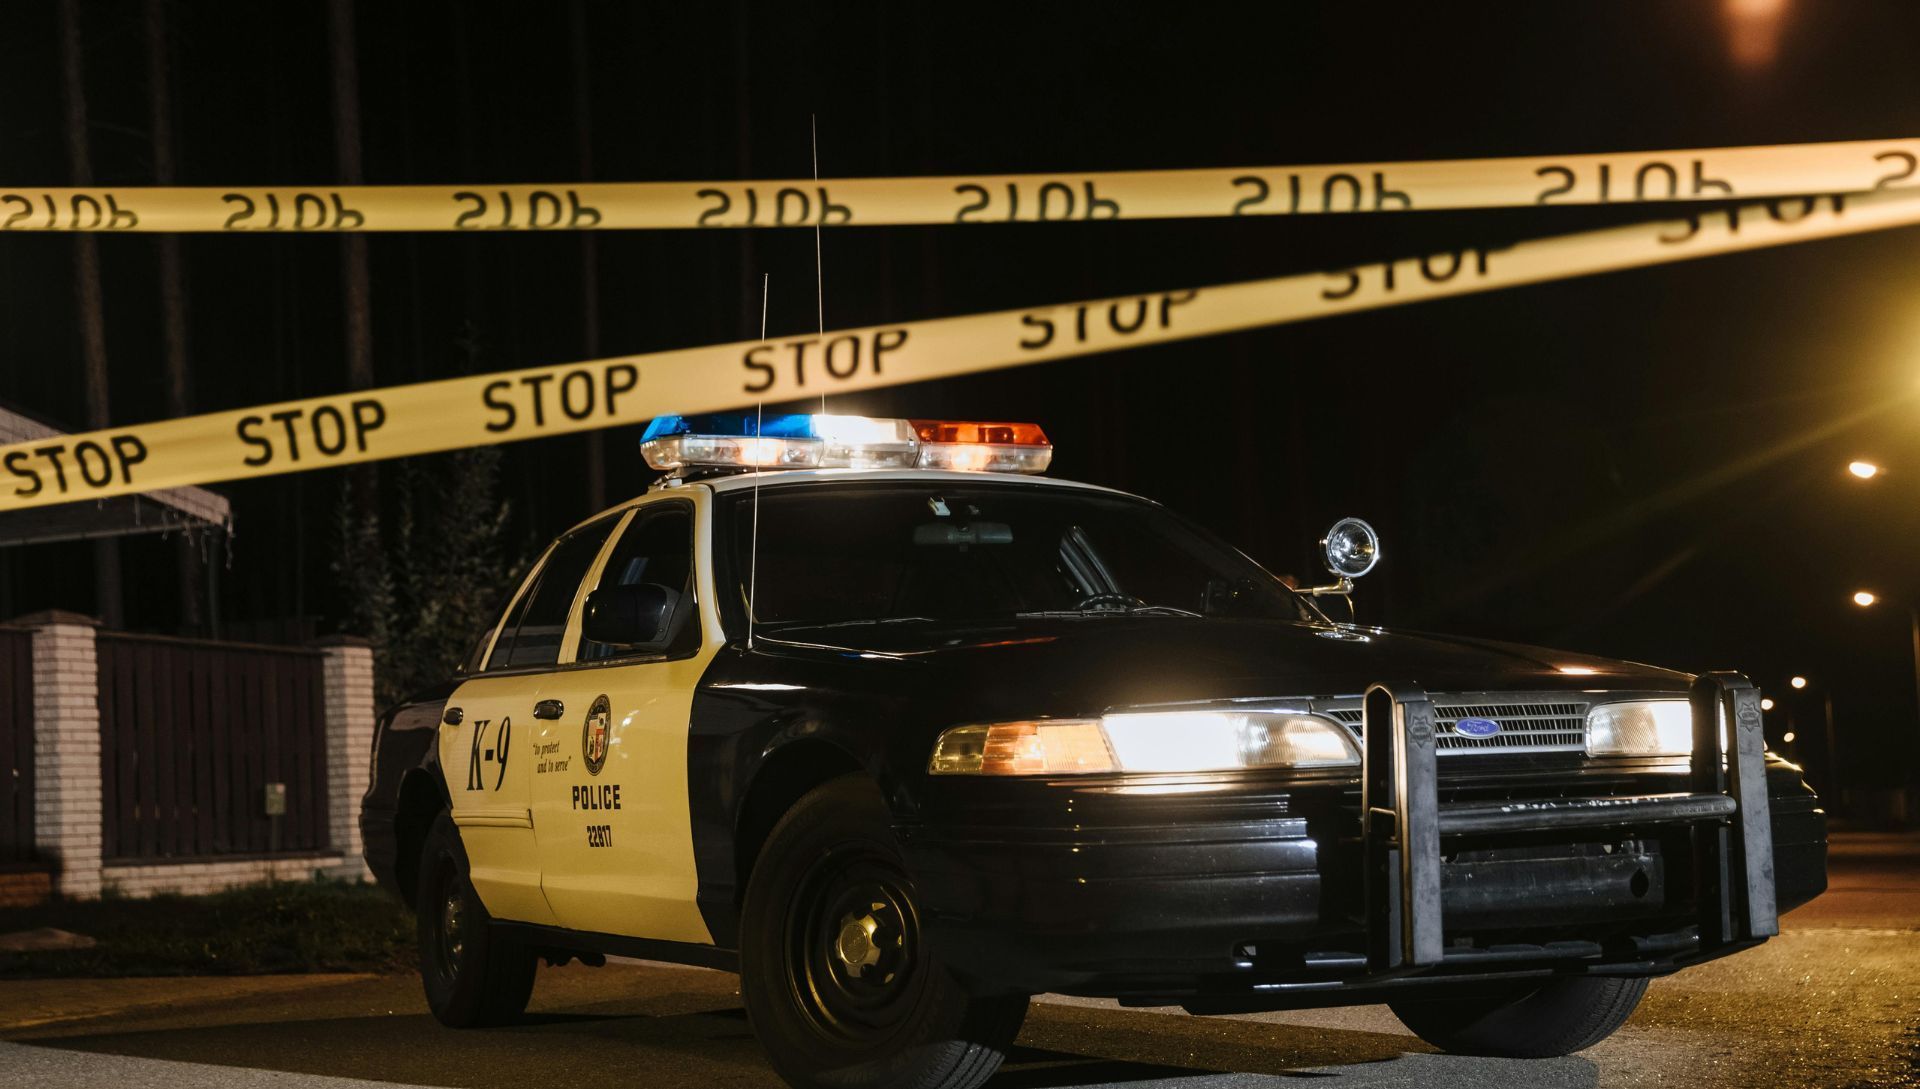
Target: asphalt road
(1833,1002)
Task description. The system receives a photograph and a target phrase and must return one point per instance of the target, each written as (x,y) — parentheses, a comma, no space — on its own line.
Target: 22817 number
(599,835)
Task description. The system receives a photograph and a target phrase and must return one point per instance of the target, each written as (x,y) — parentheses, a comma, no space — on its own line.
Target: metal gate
(16,746)
(192,734)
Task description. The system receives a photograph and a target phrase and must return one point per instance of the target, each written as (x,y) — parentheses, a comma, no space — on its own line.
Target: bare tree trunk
(476,337)
(87,297)
(173,295)
(589,243)
(363,481)
(751,285)
(346,151)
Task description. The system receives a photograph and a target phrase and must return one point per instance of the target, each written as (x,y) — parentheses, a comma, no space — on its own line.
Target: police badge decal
(593,736)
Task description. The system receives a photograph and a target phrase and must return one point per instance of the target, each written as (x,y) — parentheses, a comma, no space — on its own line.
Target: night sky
(1553,464)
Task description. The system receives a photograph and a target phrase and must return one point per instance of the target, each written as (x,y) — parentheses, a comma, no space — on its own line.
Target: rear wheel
(1533,1021)
(839,984)
(473,976)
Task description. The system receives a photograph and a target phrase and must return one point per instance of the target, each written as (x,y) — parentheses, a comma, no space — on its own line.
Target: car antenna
(759,407)
(819,276)
(759,421)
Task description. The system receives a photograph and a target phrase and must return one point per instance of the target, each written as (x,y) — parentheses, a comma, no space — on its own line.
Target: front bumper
(1221,893)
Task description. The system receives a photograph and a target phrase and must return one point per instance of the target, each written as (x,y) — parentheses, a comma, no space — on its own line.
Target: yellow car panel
(611,811)
(583,820)
(485,757)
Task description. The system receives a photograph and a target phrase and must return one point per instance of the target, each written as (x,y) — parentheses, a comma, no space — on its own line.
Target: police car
(905,733)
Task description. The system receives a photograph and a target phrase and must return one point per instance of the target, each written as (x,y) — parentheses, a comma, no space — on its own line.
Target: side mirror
(629,615)
(1350,549)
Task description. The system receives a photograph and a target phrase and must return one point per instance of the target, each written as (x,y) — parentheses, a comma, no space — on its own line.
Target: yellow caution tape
(1633,177)
(398,421)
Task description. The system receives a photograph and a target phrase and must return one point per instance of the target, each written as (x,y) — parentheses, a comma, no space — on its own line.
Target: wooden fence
(193,731)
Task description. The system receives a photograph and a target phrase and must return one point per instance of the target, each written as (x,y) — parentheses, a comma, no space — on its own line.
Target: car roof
(738,481)
(785,478)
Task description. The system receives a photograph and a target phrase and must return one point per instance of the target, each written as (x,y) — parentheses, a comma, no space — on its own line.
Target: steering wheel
(1123,601)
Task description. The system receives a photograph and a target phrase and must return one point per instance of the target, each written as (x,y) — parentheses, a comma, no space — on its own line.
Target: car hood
(1083,666)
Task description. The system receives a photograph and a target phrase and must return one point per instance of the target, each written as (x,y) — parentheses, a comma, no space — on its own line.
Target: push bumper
(1267,898)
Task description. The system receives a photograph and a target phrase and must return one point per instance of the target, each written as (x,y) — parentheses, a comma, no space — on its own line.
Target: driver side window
(656,550)
(531,634)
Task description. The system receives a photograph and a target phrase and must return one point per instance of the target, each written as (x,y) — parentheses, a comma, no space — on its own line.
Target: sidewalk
(30,1003)
(1873,882)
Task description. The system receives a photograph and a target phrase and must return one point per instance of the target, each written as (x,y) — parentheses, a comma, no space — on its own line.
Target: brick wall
(347,683)
(66,750)
(68,787)
(141,879)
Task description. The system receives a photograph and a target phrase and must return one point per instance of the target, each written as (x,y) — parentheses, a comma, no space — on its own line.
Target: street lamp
(1866,598)
(1766,703)
(1865,470)
(1829,740)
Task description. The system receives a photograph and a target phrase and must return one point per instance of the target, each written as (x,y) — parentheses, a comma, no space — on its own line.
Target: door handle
(452,717)
(549,709)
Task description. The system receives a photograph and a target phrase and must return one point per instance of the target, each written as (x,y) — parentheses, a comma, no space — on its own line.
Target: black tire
(1533,1021)
(841,989)
(473,976)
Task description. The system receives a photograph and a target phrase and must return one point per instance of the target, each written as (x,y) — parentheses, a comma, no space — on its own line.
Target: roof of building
(173,510)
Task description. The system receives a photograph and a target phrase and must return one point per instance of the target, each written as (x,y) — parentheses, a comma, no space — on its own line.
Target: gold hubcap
(856,947)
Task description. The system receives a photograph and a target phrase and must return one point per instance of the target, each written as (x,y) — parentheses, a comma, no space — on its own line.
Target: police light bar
(742,440)
(983,447)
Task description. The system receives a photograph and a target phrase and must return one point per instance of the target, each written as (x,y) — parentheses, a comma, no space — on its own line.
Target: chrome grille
(1558,725)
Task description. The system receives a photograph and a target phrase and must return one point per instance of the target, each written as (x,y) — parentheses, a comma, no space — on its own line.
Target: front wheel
(473,976)
(1532,1021)
(841,989)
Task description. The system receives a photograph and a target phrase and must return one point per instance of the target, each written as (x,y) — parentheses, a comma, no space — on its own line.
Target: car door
(611,801)
(488,729)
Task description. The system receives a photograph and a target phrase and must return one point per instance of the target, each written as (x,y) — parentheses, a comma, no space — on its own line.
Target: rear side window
(531,636)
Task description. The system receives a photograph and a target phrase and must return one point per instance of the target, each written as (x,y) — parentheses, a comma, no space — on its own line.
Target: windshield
(937,551)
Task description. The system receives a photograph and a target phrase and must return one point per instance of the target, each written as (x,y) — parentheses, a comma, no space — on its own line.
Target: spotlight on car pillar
(1350,548)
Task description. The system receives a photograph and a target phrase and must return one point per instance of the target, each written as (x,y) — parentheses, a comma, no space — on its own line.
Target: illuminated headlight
(1644,728)
(1162,741)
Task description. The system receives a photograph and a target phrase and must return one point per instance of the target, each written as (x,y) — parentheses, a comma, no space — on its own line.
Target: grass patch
(282,926)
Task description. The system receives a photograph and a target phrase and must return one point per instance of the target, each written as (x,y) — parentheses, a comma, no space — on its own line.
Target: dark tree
(88,300)
(173,293)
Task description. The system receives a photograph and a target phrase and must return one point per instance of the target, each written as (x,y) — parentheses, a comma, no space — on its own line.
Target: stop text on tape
(512,406)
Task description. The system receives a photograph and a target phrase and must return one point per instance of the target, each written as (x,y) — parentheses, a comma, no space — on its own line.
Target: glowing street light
(1865,598)
(1865,470)
(1766,703)
(1797,682)
(1787,738)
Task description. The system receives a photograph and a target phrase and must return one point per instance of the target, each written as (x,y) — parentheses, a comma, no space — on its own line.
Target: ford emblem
(1476,727)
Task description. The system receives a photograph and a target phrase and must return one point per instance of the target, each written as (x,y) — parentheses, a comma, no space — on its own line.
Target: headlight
(1145,742)
(1645,728)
